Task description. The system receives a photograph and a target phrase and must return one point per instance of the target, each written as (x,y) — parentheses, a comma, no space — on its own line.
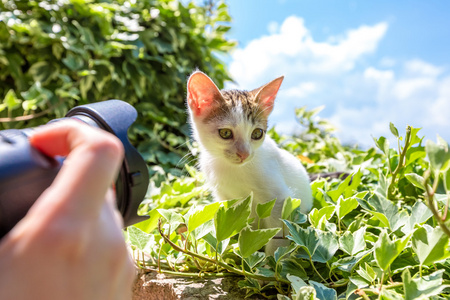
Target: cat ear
(266,94)
(202,94)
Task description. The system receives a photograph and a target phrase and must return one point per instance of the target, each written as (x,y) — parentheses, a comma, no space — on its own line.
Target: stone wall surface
(154,286)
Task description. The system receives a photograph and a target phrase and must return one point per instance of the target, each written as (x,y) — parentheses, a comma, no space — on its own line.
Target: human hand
(70,244)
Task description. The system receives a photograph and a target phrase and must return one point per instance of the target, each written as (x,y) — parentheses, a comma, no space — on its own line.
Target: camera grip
(25,173)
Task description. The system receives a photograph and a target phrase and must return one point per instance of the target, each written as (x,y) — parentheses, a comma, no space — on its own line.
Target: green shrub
(58,54)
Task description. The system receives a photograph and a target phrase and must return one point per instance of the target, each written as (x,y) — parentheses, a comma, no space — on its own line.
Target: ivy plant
(379,233)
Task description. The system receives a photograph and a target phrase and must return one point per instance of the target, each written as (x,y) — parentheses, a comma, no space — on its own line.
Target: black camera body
(25,172)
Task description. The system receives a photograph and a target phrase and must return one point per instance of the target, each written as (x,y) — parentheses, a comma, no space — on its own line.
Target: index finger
(92,164)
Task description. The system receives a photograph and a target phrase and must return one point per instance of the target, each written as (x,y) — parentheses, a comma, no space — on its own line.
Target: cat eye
(257,134)
(225,133)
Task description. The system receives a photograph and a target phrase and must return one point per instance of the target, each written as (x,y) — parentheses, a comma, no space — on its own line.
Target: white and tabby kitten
(236,156)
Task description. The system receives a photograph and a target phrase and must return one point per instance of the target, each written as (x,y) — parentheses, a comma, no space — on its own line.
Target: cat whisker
(185,160)
(181,145)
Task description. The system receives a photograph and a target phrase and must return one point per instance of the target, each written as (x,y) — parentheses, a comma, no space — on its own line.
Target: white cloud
(292,50)
(417,98)
(378,75)
(387,62)
(361,99)
(300,91)
(273,27)
(419,67)
(406,88)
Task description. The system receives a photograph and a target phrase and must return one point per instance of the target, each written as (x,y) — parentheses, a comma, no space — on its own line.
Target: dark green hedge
(58,54)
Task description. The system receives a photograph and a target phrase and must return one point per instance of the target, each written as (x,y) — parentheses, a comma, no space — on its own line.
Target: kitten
(236,156)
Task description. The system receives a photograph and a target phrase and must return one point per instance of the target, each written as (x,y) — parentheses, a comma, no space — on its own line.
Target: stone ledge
(154,286)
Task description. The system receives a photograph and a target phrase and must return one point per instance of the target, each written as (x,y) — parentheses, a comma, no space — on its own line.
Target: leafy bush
(58,54)
(380,233)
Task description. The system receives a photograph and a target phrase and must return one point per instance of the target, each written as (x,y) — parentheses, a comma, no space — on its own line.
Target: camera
(25,172)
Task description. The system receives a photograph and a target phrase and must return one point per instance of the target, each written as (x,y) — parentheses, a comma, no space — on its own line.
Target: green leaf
(197,216)
(174,219)
(203,230)
(326,247)
(446,176)
(73,62)
(292,266)
(316,215)
(230,221)
(386,250)
(306,238)
(345,206)
(390,295)
(263,210)
(416,180)
(254,259)
(250,284)
(297,283)
(28,105)
(359,281)
(367,273)
(264,272)
(151,223)
(347,264)
(352,243)
(172,200)
(386,210)
(430,244)
(414,154)
(381,217)
(438,155)
(393,130)
(422,288)
(302,291)
(420,213)
(41,71)
(138,238)
(289,205)
(323,293)
(251,241)
(347,187)
(283,251)
(220,247)
(414,138)
(11,100)
(15,62)
(383,144)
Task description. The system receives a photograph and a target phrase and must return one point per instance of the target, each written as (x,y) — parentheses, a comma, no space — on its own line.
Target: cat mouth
(240,161)
(237,159)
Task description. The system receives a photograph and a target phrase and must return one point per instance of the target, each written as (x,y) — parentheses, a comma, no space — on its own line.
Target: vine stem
(317,272)
(376,291)
(27,117)
(362,293)
(219,263)
(400,163)
(336,284)
(430,198)
(185,274)
(381,282)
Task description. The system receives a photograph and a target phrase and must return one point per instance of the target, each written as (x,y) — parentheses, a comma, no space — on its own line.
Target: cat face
(230,125)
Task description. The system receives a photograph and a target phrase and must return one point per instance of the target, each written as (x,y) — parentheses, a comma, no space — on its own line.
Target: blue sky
(368,62)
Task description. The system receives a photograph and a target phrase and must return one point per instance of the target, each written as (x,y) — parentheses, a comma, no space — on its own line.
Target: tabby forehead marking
(232,99)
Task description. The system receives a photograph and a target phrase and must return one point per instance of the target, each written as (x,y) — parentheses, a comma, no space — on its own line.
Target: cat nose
(242,155)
